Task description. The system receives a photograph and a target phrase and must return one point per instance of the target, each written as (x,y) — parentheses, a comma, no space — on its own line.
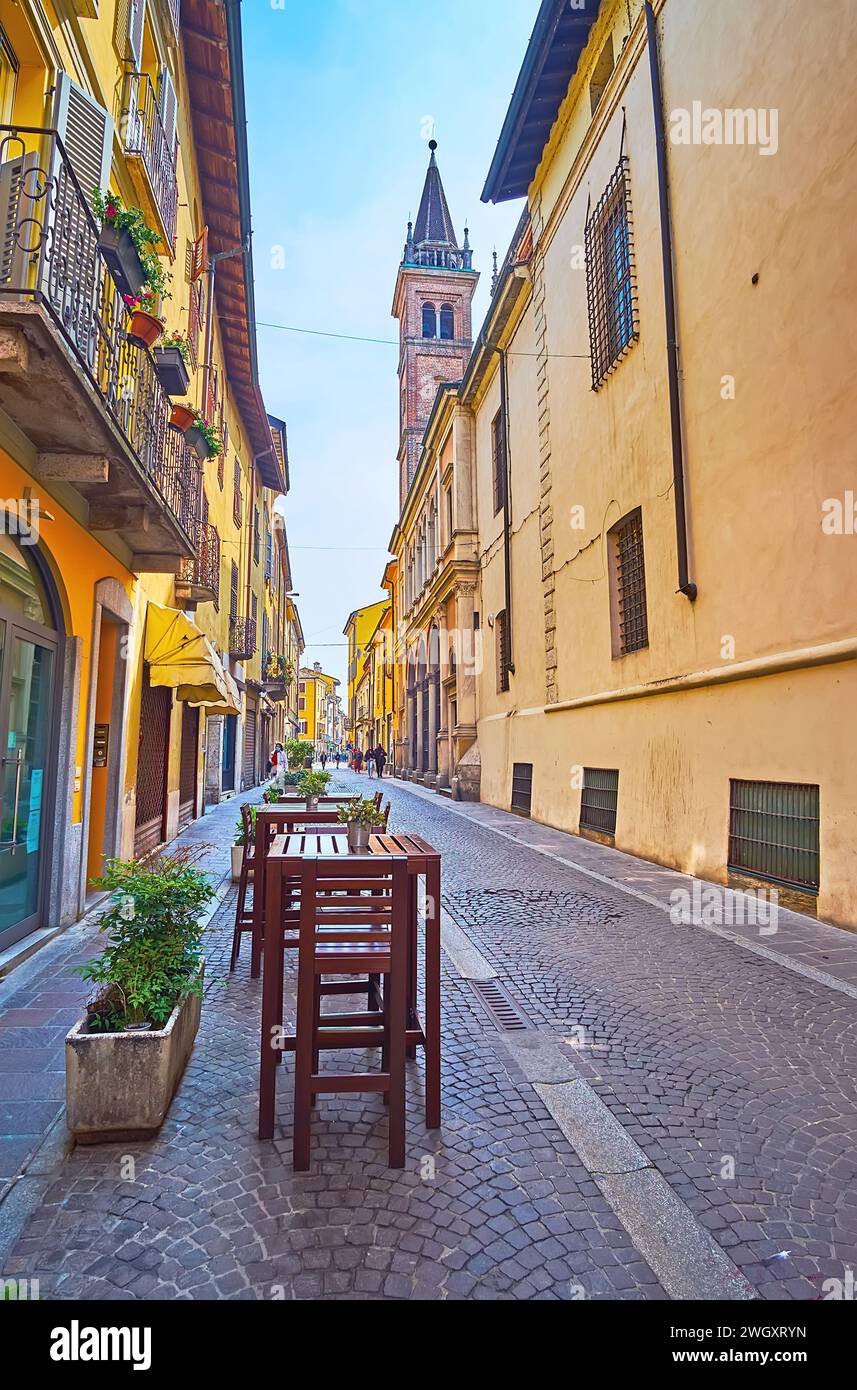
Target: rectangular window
(629,616)
(237,511)
(220,471)
(501,640)
(498,461)
(774,832)
(611,290)
(522,788)
(599,799)
(8,79)
(233,592)
(256,534)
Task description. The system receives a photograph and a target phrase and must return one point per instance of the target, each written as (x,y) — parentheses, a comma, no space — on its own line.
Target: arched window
(447,321)
(429,321)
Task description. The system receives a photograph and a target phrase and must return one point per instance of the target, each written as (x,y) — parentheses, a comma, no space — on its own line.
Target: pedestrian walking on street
(323,761)
(358,760)
(370,761)
(380,760)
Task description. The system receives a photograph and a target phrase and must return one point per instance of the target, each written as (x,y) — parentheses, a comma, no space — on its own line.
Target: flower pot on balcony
(172,370)
(144,329)
(197,441)
(119,1085)
(182,417)
(122,259)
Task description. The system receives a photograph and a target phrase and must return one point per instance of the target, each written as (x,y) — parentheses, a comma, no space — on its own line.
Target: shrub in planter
(127,244)
(204,438)
(313,785)
(173,364)
(298,750)
(124,1060)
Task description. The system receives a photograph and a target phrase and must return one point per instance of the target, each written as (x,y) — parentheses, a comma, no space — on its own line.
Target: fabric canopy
(182,658)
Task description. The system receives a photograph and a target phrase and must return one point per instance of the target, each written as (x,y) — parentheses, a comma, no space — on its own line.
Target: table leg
(413,932)
(432,995)
(270,994)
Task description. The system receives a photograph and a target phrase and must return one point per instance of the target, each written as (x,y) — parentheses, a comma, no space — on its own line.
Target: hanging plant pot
(172,370)
(145,329)
(182,417)
(122,259)
(197,441)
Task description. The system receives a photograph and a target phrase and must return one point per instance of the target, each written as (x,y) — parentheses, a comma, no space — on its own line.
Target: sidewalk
(43,998)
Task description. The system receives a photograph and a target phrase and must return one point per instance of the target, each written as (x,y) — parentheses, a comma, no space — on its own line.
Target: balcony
(242,638)
(198,579)
(277,676)
(86,397)
(151,155)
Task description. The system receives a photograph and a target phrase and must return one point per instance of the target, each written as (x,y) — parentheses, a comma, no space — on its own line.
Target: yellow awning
(230,704)
(182,658)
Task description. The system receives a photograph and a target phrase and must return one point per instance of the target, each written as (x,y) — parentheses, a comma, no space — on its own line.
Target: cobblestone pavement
(734,1076)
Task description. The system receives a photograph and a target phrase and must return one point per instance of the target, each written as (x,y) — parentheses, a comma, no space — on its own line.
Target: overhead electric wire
(391,342)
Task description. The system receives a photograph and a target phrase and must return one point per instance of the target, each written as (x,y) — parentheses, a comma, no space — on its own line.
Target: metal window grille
(522,788)
(611,286)
(501,637)
(599,799)
(629,577)
(774,831)
(499,462)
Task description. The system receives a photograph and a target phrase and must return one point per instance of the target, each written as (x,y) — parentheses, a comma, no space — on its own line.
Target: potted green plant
(204,438)
(173,363)
(145,327)
(360,817)
(127,244)
(313,785)
(238,844)
(299,752)
(126,1056)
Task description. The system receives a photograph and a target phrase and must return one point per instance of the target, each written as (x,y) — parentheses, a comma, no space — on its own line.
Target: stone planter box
(119,1085)
(237,862)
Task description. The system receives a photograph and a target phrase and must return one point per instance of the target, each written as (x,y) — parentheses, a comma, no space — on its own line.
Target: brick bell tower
(434,293)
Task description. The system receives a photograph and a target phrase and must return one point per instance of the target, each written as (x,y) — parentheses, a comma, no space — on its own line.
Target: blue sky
(339,97)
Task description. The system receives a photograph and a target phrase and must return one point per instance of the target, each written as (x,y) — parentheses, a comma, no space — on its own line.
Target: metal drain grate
(502,1008)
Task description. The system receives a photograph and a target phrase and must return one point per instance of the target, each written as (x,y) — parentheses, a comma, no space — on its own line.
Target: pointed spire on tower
(434,222)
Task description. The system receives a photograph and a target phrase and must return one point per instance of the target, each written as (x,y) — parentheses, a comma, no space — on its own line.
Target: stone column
(213,758)
(465,734)
(442,743)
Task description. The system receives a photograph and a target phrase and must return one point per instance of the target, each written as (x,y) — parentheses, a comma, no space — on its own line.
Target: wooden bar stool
(353,921)
(243,916)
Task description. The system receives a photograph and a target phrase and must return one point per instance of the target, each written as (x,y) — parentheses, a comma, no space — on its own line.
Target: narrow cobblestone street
(654,1068)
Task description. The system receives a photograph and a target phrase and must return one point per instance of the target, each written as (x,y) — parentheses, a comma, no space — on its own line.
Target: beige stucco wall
(759,466)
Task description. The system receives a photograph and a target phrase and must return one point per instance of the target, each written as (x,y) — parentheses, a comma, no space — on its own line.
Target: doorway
(155,713)
(28,664)
(230,734)
(188,765)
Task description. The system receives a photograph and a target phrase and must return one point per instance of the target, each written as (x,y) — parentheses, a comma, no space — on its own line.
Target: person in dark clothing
(380,760)
(323,761)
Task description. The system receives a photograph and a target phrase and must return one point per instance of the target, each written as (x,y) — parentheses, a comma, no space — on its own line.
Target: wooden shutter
(86,131)
(136,24)
(198,256)
(168,103)
(17,208)
(194,320)
(211,396)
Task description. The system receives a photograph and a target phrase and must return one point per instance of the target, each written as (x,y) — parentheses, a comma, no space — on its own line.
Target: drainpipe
(685,585)
(507,496)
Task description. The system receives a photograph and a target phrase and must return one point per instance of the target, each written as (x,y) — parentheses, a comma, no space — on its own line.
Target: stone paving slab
(732,1075)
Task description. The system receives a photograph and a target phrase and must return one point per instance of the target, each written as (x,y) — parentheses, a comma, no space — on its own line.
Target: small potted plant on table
(126,1056)
(312,786)
(360,817)
(172,363)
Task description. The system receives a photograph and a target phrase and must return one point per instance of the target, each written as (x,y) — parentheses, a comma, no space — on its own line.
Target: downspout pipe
(507,496)
(685,584)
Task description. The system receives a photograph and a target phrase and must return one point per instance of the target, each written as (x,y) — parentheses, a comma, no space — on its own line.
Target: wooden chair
(353,921)
(243,915)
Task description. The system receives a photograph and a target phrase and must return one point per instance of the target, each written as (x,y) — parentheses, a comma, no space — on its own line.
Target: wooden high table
(288,855)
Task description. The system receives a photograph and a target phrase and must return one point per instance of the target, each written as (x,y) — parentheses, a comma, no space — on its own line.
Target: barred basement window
(611,289)
(599,799)
(501,639)
(522,788)
(774,832)
(629,618)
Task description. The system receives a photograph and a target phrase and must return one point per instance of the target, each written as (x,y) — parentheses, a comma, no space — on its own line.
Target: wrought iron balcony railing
(199,578)
(174,7)
(242,638)
(146,138)
(49,254)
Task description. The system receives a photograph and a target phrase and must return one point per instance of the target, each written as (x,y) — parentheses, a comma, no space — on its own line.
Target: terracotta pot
(182,417)
(145,329)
